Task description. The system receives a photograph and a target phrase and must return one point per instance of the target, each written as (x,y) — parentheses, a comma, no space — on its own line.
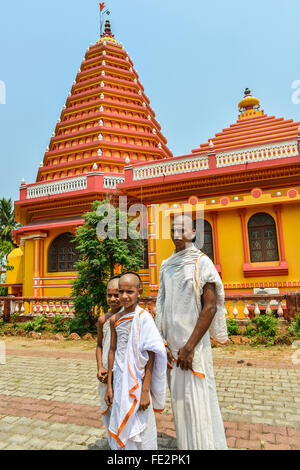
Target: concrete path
(49,400)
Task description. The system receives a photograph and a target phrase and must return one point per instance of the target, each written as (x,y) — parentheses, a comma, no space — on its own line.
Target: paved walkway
(48,400)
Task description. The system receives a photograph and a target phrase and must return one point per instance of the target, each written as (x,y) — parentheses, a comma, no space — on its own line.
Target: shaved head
(130,278)
(113,283)
(185,220)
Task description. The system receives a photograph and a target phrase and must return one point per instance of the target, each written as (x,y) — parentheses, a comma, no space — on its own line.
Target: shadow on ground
(164,443)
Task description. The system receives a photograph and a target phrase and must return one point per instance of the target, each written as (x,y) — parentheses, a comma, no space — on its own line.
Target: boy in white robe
(137,372)
(189,311)
(103,344)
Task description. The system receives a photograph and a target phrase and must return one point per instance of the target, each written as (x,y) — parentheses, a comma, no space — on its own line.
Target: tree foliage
(7,225)
(98,259)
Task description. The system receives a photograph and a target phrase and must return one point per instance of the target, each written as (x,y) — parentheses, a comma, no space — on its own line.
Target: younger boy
(103,344)
(137,366)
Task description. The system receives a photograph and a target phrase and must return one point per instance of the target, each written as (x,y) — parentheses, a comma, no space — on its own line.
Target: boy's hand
(145,400)
(109,396)
(170,358)
(102,375)
(185,358)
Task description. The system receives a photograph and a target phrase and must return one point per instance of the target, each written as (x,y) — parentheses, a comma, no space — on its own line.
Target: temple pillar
(242,213)
(152,254)
(283,261)
(38,264)
(216,242)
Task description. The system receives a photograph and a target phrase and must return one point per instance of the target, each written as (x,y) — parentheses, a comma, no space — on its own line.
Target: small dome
(249,101)
(107,39)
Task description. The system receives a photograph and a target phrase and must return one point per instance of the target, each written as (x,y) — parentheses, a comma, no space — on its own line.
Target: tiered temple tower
(106,124)
(107,121)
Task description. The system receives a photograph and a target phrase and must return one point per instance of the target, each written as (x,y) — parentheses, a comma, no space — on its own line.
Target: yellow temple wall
(231,253)
(290,215)
(28,269)
(231,250)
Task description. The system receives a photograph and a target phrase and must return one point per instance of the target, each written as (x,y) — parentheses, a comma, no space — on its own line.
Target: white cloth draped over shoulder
(129,427)
(182,279)
(194,400)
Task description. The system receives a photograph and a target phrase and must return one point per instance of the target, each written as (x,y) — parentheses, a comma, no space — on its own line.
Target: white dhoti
(129,427)
(196,411)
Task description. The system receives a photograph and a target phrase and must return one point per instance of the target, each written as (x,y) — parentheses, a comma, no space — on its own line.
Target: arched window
(262,238)
(208,246)
(62,254)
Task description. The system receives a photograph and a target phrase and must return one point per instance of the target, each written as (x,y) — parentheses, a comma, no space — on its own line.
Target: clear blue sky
(194,58)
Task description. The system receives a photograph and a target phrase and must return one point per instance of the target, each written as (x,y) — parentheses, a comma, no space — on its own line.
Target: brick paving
(49,400)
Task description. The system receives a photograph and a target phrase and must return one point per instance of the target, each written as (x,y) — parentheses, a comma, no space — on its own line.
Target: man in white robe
(189,312)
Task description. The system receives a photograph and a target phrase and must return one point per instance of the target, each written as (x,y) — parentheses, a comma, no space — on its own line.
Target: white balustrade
(180,166)
(111,182)
(57,187)
(246,311)
(255,154)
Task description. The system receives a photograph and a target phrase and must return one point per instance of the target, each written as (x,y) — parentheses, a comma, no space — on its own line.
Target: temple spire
(103,11)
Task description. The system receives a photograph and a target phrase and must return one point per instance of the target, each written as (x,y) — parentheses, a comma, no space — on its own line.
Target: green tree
(99,258)
(7,225)
(7,220)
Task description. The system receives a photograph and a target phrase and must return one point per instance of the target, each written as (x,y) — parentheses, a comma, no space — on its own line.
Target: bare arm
(209,309)
(145,394)
(111,359)
(101,371)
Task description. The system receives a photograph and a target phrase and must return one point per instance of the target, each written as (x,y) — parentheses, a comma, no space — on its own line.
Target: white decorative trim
(39,236)
(111,182)
(180,166)
(57,187)
(257,154)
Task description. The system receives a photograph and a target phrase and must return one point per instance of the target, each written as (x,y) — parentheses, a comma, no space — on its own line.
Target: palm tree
(7,224)
(7,220)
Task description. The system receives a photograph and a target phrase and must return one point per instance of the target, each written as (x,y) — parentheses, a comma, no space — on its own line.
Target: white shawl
(143,337)
(182,279)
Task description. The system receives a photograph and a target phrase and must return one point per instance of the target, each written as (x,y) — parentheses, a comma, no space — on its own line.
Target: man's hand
(102,375)
(145,400)
(185,358)
(170,358)
(109,396)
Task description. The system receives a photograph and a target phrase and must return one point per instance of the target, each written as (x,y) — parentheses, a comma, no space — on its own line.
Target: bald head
(113,283)
(131,279)
(184,220)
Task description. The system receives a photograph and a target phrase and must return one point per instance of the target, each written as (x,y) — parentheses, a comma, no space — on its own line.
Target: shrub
(266,325)
(60,324)
(3,291)
(37,324)
(249,329)
(232,327)
(14,317)
(294,329)
(80,325)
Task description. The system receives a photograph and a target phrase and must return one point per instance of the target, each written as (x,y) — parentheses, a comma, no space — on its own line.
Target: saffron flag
(102,6)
